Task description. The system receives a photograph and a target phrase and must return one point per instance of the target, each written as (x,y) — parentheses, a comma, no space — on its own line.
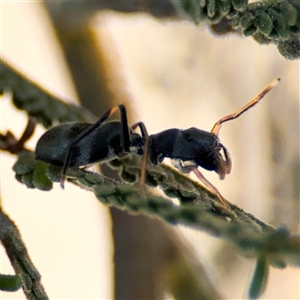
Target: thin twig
(10,144)
(20,260)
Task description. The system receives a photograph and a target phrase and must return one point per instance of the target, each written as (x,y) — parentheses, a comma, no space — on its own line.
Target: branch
(9,143)
(268,21)
(251,236)
(19,258)
(37,102)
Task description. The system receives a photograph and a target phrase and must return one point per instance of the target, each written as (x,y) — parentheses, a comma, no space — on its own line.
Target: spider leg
(147,145)
(215,130)
(125,138)
(212,188)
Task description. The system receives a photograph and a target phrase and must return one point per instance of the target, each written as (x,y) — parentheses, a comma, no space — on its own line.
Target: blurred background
(169,73)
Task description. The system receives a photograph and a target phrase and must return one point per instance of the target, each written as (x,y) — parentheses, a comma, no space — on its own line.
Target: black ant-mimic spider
(81,144)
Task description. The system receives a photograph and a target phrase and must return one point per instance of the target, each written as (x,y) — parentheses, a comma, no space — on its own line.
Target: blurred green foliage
(269,21)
